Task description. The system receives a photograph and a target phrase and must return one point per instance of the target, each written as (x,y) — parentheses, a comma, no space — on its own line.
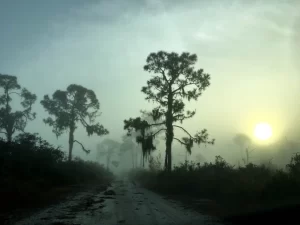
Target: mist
(92,64)
(249,49)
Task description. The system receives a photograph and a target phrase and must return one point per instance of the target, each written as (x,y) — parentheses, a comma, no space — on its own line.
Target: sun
(263,131)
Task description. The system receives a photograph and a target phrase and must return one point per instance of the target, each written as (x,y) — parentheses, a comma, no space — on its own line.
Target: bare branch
(181,142)
(156,124)
(183,130)
(83,148)
(159,131)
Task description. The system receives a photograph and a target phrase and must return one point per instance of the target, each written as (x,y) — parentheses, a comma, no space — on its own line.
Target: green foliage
(144,138)
(174,80)
(12,121)
(226,183)
(29,157)
(174,70)
(30,166)
(294,165)
(107,148)
(76,104)
(73,105)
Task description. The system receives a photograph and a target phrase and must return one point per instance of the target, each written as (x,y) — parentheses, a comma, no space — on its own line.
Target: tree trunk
(107,161)
(10,123)
(110,153)
(247,155)
(166,160)
(71,142)
(132,156)
(9,136)
(169,132)
(169,149)
(136,157)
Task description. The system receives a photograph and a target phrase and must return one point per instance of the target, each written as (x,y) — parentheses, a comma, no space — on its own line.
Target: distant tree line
(175,80)
(76,104)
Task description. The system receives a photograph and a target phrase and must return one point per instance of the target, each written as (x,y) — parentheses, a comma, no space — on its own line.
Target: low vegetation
(32,170)
(251,186)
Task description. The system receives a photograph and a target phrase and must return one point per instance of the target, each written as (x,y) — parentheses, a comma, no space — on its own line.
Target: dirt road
(125,204)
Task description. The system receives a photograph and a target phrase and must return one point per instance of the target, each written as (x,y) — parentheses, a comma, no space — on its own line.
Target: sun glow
(263,131)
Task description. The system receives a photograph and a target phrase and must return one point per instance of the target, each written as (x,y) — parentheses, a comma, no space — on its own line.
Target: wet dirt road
(125,204)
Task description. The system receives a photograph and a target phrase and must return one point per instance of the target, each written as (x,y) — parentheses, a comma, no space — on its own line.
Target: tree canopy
(107,148)
(244,142)
(241,140)
(12,121)
(175,80)
(145,135)
(68,108)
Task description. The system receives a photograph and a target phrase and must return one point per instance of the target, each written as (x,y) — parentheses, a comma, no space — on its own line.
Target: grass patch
(34,174)
(228,190)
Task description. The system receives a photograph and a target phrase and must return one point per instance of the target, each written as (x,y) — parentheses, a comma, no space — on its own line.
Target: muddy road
(123,203)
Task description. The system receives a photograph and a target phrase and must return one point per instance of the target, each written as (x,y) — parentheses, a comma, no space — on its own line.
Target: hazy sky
(250,48)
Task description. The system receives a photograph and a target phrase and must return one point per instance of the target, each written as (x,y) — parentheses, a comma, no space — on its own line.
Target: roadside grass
(34,174)
(222,190)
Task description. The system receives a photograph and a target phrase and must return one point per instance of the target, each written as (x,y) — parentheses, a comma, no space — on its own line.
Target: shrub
(221,181)
(29,166)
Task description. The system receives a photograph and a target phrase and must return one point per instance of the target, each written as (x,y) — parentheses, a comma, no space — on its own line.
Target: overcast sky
(250,48)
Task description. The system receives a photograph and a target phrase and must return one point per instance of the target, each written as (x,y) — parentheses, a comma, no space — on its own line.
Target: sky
(250,49)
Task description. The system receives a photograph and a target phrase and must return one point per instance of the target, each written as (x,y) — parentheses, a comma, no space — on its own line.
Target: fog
(250,49)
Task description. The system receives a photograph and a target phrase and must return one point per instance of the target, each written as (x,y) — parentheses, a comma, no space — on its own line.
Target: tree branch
(181,116)
(183,86)
(2,132)
(155,98)
(181,142)
(156,124)
(84,123)
(183,130)
(83,148)
(158,131)
(14,93)
(162,72)
(164,76)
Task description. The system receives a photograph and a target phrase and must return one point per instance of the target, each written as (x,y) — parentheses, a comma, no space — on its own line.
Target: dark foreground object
(44,200)
(287,215)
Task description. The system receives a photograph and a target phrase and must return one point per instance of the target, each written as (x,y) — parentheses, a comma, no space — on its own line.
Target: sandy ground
(127,204)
